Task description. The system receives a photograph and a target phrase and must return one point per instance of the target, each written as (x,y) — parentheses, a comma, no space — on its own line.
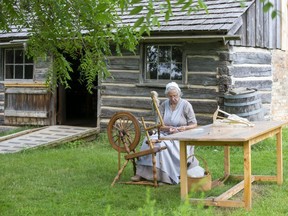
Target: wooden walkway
(51,135)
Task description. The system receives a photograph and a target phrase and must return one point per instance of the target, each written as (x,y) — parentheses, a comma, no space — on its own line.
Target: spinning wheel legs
(124,135)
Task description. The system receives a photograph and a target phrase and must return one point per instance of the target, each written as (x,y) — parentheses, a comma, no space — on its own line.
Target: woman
(178,115)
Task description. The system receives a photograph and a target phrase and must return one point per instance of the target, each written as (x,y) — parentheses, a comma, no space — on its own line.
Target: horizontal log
(124,63)
(144,91)
(265,85)
(206,106)
(250,71)
(22,113)
(106,112)
(202,63)
(203,79)
(26,91)
(251,57)
(123,77)
(136,103)
(25,85)
(26,121)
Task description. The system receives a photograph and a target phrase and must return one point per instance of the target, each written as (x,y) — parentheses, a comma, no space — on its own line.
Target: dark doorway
(76,106)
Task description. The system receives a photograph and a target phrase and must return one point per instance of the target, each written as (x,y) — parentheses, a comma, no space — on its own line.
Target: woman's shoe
(136,178)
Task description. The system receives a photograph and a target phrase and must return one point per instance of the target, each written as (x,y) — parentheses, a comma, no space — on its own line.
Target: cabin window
(163,62)
(17,65)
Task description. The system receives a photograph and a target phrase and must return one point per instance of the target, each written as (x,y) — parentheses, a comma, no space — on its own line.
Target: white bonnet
(172,84)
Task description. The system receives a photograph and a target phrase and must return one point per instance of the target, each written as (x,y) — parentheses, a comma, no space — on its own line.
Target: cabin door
(75,105)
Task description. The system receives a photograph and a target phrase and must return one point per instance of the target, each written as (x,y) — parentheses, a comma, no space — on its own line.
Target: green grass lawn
(75,178)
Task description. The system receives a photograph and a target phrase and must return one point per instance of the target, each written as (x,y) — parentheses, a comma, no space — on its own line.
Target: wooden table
(231,135)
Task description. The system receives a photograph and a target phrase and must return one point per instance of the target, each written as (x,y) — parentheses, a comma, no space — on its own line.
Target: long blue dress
(168,161)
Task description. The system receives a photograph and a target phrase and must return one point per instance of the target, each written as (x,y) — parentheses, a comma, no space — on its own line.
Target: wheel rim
(123,132)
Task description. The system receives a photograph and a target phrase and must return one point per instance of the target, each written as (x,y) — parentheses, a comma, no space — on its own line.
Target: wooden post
(226,161)
(279,157)
(247,176)
(183,170)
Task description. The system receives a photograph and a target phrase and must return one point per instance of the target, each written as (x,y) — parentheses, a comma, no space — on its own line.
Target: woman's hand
(173,130)
(182,128)
(177,129)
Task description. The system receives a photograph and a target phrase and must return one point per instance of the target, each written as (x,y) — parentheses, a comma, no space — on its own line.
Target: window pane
(9,56)
(164,62)
(18,72)
(9,72)
(176,54)
(164,70)
(164,53)
(152,71)
(28,72)
(18,56)
(152,53)
(176,72)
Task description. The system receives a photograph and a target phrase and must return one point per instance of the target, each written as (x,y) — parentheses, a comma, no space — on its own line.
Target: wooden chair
(124,135)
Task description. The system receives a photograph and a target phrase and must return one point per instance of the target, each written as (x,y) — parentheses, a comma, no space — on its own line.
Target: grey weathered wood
(124,76)
(52,135)
(23,90)
(266,39)
(127,63)
(140,103)
(251,26)
(34,114)
(203,79)
(28,105)
(202,63)
(265,85)
(259,24)
(252,57)
(251,71)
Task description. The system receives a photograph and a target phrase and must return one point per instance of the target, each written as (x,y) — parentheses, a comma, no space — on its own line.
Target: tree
(85,29)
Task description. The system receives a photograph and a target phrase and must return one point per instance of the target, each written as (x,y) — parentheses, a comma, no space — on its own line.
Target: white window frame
(171,62)
(14,64)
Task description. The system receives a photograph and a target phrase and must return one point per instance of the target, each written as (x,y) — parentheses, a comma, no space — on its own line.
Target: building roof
(223,17)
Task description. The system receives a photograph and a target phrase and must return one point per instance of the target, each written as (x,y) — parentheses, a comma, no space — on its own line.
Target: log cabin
(207,54)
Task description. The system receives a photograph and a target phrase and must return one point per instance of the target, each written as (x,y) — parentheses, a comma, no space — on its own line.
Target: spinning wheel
(124,135)
(124,132)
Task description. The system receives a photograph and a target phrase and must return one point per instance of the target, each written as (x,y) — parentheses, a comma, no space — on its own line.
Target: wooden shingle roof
(222,16)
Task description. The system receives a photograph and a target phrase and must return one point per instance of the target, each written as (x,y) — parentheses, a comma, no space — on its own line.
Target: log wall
(252,68)
(128,91)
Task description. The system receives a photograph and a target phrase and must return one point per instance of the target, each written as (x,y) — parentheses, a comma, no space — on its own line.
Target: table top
(226,132)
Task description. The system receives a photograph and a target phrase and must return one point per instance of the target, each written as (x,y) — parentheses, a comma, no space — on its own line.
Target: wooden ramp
(51,135)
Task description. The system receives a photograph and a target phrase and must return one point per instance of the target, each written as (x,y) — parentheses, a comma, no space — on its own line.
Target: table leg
(226,161)
(247,176)
(183,170)
(279,158)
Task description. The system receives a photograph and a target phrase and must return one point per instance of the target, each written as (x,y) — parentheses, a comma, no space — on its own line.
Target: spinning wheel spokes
(123,132)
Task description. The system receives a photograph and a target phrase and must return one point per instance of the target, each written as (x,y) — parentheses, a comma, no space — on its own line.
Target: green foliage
(81,29)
